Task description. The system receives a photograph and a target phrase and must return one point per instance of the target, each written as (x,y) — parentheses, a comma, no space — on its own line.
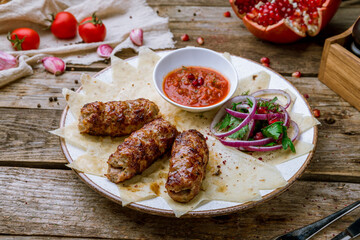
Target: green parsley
(286,141)
(274,131)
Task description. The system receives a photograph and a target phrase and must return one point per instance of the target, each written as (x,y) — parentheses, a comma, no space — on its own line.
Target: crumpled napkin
(119,17)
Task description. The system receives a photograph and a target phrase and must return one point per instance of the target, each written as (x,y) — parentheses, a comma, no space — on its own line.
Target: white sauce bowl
(198,57)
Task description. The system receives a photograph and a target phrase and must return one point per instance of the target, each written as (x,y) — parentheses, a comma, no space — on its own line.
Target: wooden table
(40,197)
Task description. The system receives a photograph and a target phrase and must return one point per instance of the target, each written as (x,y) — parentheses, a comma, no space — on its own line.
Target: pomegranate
(285,21)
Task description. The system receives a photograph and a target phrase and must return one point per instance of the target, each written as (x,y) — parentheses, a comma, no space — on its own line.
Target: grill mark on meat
(116,118)
(140,150)
(189,157)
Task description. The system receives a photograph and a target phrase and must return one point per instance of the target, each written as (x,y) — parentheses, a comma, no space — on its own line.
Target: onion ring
(222,112)
(246,143)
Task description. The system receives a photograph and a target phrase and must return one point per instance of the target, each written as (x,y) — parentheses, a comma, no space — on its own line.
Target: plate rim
(191,214)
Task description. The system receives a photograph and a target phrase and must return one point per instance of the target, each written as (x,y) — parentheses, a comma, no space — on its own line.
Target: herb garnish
(275,130)
(230,122)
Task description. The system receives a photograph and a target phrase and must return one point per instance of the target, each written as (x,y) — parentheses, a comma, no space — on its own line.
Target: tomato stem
(51,20)
(17,42)
(95,20)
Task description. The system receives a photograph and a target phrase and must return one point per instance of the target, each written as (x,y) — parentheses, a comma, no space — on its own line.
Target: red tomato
(24,39)
(63,25)
(92,29)
(271,121)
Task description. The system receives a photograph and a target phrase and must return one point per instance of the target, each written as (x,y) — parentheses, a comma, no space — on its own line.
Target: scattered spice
(156,12)
(39,106)
(254,77)
(194,14)
(306,95)
(51,99)
(72,89)
(55,99)
(330,120)
(76,81)
(217,173)
(179,10)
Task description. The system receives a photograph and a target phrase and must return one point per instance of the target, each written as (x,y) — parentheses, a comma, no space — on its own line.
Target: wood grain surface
(40,198)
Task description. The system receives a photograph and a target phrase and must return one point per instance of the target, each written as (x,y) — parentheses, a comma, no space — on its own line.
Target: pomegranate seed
(258,136)
(296,74)
(185,37)
(266,64)
(195,83)
(191,77)
(306,95)
(200,40)
(265,60)
(262,110)
(227,14)
(200,81)
(316,113)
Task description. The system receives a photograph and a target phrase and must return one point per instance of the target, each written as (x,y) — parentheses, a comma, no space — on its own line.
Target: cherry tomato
(24,39)
(262,110)
(271,121)
(258,136)
(92,29)
(63,25)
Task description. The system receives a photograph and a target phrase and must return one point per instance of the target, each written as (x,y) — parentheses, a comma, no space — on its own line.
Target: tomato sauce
(195,86)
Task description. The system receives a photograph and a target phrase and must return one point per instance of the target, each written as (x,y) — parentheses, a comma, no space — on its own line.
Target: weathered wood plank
(230,35)
(57,203)
(25,140)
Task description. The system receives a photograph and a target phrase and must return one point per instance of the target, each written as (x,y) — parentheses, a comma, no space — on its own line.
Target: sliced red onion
(251,129)
(243,106)
(286,117)
(222,112)
(246,143)
(276,147)
(104,50)
(256,116)
(274,91)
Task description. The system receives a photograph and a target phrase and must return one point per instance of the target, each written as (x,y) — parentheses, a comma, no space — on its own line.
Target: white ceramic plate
(290,170)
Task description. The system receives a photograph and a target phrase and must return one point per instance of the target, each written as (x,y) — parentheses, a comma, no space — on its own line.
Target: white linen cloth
(119,17)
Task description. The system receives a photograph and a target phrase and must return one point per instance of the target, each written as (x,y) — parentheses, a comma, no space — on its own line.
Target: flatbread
(231,175)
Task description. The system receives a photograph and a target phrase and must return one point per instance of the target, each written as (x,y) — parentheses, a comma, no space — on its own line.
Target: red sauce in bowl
(195,86)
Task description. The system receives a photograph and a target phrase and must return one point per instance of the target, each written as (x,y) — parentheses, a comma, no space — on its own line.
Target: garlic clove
(54,65)
(136,36)
(104,50)
(7,61)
